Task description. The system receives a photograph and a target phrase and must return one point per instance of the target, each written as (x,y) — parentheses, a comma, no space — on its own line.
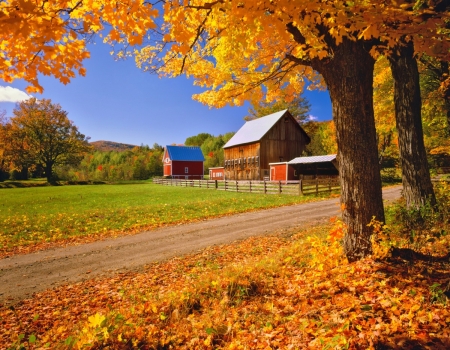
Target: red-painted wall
(216,174)
(291,173)
(280,172)
(167,169)
(195,169)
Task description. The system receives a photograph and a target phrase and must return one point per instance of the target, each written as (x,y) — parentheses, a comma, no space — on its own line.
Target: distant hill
(105,146)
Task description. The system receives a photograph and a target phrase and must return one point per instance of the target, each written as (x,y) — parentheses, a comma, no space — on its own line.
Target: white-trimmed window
(186,170)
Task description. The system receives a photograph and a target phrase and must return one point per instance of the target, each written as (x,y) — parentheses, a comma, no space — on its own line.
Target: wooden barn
(305,167)
(183,162)
(274,138)
(216,173)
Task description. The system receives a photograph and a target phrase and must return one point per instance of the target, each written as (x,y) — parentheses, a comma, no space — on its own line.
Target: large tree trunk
(349,76)
(446,91)
(49,172)
(417,186)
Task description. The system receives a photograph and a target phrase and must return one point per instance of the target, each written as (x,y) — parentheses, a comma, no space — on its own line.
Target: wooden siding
(283,142)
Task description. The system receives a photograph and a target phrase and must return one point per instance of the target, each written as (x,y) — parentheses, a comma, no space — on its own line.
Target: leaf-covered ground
(274,292)
(43,217)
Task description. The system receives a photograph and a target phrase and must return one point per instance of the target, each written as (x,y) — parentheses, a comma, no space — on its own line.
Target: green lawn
(46,214)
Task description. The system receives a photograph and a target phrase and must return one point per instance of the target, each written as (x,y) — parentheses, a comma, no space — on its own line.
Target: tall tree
(42,135)
(416,181)
(261,48)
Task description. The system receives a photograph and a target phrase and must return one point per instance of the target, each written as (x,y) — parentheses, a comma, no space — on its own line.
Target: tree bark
(49,172)
(349,77)
(416,180)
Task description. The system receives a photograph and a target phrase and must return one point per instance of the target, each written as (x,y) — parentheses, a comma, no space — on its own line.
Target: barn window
(186,170)
(256,159)
(167,160)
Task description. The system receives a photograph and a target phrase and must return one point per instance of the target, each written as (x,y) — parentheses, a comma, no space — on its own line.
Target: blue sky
(117,102)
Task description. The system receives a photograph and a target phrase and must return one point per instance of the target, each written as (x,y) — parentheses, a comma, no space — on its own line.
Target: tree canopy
(40,134)
(50,36)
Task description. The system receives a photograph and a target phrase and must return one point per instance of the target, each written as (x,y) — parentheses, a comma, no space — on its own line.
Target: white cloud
(311,118)
(10,94)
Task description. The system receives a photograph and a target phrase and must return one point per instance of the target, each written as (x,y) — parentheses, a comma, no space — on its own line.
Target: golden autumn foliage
(50,36)
(228,46)
(243,50)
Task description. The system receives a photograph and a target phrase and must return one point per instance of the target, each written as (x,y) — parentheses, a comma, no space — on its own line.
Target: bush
(420,225)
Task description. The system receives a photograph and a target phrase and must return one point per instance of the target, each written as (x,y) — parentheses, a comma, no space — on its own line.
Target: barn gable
(273,138)
(255,130)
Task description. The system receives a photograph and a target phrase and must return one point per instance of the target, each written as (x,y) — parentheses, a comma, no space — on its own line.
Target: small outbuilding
(183,162)
(305,167)
(217,173)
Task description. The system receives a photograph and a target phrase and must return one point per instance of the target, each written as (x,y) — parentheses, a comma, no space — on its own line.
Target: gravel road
(23,275)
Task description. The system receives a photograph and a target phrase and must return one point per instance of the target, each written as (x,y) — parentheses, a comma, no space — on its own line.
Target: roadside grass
(283,291)
(42,215)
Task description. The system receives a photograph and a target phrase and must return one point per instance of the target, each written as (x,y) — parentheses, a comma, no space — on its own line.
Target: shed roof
(313,159)
(254,130)
(185,153)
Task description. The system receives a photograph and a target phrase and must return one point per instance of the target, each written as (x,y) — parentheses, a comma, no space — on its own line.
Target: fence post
(300,187)
(265,187)
(237,186)
(329,184)
(216,184)
(279,187)
(317,185)
(250,182)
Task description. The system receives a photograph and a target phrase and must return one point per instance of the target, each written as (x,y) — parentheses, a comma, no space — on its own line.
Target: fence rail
(302,187)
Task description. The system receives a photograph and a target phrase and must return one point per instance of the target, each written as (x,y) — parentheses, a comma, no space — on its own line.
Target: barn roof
(254,130)
(186,153)
(313,159)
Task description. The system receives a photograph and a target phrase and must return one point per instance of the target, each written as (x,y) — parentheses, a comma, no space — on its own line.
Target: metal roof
(186,153)
(313,159)
(254,130)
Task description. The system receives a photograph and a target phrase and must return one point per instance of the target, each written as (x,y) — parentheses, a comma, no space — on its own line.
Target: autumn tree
(42,135)
(299,108)
(50,36)
(285,44)
(3,146)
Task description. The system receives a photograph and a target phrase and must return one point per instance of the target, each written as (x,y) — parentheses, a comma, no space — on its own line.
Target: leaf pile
(261,293)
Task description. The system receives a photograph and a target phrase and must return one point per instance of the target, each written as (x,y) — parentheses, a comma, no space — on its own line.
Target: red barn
(282,172)
(301,167)
(217,173)
(183,162)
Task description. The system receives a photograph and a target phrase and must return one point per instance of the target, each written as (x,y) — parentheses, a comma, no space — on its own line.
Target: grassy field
(53,213)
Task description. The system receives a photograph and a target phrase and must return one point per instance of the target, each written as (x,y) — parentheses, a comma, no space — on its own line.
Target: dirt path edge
(23,275)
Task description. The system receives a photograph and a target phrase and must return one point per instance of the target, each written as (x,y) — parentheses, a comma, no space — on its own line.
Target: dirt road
(23,275)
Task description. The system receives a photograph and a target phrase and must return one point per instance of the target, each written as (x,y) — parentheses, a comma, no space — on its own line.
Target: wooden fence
(301,187)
